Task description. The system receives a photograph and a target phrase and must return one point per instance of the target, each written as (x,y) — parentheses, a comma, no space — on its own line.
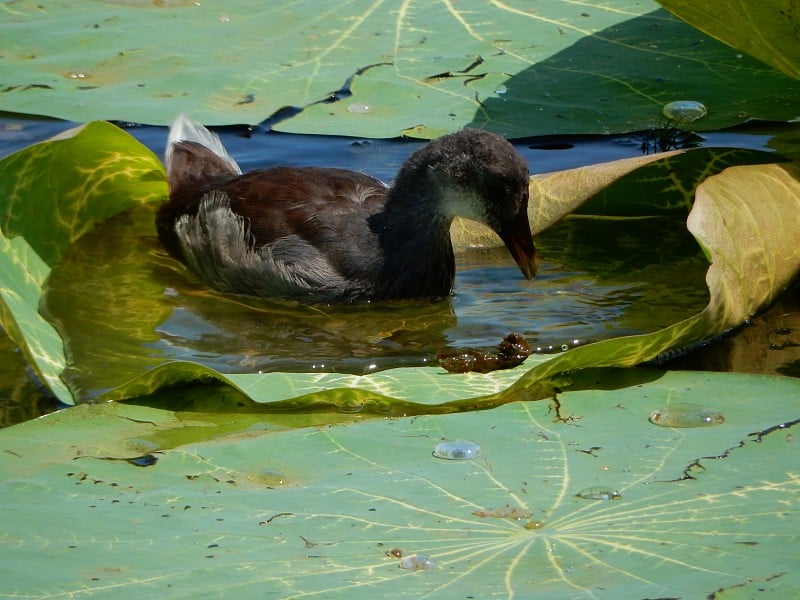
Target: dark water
(124,306)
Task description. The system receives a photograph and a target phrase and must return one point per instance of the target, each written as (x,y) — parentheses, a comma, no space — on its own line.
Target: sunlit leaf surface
(292,512)
(50,195)
(22,276)
(53,192)
(379,69)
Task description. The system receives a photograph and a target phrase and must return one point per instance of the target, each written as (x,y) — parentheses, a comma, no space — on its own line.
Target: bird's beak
(517,237)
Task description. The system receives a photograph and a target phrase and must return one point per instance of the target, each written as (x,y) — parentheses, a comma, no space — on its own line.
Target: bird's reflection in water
(123,307)
(240,333)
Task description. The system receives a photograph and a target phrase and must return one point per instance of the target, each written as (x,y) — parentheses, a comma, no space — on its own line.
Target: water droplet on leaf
(457,450)
(684,111)
(268,477)
(358,108)
(418,562)
(686,415)
(599,493)
(147,460)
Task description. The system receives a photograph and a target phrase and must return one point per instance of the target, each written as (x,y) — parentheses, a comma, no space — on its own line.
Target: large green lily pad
(380,69)
(290,485)
(314,511)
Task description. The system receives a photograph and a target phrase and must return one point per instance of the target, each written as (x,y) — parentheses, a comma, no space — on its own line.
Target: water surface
(124,306)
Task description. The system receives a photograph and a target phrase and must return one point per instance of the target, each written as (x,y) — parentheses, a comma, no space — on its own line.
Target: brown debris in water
(511,352)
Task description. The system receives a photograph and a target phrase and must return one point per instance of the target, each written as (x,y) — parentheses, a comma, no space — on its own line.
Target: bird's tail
(194,154)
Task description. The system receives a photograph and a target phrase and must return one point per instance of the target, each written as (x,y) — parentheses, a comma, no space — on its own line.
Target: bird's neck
(415,241)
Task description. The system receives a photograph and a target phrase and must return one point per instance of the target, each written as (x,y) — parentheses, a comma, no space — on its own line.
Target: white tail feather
(184,129)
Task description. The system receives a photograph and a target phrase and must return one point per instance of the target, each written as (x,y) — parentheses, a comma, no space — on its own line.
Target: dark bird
(331,235)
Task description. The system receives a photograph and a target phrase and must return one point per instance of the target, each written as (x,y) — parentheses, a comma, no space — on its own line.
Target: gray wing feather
(218,246)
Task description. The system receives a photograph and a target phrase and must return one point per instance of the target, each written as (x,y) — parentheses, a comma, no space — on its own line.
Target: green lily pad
(22,277)
(379,70)
(189,490)
(53,192)
(327,511)
(50,195)
(767,30)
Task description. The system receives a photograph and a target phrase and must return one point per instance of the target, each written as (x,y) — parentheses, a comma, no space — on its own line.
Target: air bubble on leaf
(599,493)
(418,562)
(684,111)
(268,477)
(457,450)
(358,108)
(686,415)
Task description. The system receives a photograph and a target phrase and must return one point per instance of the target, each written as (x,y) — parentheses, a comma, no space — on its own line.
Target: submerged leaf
(747,219)
(598,280)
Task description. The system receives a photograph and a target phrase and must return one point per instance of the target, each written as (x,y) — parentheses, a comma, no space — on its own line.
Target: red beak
(517,237)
